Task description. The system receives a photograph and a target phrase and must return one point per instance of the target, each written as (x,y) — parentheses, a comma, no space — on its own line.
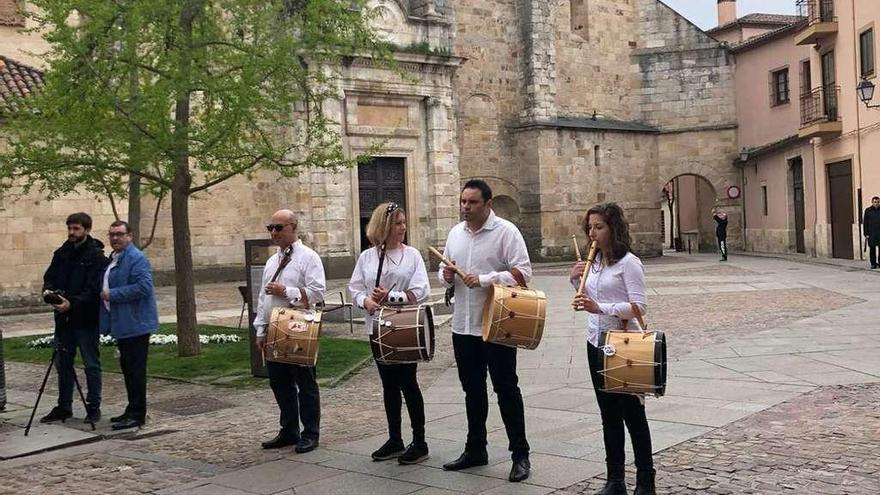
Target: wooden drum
(514,316)
(403,334)
(292,337)
(633,362)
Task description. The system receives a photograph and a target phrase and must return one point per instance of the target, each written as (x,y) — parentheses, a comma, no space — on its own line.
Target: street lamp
(744,155)
(865,90)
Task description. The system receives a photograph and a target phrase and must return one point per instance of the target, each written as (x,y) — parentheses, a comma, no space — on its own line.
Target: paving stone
(274,476)
(356,484)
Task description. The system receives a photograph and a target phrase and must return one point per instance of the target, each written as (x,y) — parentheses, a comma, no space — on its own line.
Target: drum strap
(638,313)
(285,259)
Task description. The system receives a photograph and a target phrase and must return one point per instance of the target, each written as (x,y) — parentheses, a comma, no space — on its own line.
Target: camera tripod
(56,349)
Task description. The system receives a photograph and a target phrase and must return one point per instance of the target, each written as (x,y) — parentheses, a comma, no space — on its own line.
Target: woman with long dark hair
(616,280)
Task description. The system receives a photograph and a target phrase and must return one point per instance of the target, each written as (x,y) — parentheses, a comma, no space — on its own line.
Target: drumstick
(449,263)
(389,291)
(591,257)
(577,249)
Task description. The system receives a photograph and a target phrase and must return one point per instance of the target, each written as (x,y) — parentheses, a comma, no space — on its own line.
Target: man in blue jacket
(129,314)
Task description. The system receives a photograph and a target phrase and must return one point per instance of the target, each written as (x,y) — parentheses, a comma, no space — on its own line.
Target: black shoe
(613,487)
(93,415)
(127,423)
(520,470)
(280,440)
(645,483)
(466,460)
(121,417)
(57,414)
(389,450)
(414,454)
(306,445)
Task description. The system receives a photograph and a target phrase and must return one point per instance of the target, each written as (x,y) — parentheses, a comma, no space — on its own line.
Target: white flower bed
(155,339)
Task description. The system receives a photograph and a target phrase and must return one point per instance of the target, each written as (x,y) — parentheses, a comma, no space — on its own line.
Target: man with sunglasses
(292,277)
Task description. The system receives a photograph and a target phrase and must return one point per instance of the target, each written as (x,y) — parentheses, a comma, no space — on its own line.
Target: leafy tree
(183,95)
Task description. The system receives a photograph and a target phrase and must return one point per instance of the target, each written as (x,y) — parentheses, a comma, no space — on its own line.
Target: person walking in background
(721,231)
(871,226)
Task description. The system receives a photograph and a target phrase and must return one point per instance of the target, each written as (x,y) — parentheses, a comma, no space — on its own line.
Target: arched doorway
(507,208)
(688,201)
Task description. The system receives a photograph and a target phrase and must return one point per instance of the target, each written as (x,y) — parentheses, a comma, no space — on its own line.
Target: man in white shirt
(300,284)
(490,250)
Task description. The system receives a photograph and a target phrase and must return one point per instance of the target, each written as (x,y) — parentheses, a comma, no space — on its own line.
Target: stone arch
(391,21)
(687,202)
(506,207)
(479,139)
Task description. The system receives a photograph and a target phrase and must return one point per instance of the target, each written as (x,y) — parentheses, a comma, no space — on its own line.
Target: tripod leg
(83,398)
(40,394)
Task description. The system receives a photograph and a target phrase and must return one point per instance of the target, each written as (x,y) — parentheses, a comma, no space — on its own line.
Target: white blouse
(613,288)
(403,270)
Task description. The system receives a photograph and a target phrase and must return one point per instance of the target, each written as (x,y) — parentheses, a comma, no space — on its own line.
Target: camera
(53,297)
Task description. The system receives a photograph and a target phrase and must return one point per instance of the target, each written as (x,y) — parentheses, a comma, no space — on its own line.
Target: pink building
(807,140)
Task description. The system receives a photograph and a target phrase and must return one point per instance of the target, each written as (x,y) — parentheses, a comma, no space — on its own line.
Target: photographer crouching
(72,285)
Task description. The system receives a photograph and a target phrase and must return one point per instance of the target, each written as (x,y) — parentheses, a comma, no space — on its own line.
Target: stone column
(538,70)
(443,173)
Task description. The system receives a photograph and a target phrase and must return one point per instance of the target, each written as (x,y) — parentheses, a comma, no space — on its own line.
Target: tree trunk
(187,334)
(134,208)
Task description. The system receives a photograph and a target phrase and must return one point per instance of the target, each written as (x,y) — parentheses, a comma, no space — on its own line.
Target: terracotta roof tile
(17,80)
(759,19)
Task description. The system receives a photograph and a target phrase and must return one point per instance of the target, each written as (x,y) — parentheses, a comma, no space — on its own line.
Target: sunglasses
(277,227)
(390,209)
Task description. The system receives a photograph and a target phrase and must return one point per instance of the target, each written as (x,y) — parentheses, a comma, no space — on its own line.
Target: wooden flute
(448,262)
(577,249)
(591,257)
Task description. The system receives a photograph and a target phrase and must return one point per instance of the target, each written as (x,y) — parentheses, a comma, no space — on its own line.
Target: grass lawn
(218,364)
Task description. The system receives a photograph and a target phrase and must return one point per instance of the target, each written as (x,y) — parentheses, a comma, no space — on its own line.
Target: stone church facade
(558,104)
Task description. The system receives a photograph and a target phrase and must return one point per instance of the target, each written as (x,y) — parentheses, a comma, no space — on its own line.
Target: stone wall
(31,228)
(594,66)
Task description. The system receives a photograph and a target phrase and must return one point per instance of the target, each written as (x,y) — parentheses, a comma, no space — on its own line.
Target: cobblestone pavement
(824,442)
(715,416)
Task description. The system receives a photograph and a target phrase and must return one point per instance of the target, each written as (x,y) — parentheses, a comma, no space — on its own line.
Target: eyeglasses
(277,227)
(118,234)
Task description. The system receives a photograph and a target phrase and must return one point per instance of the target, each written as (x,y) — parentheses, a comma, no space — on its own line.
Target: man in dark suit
(871,225)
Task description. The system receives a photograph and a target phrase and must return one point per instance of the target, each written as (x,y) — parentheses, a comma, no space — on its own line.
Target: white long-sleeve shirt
(304,271)
(403,269)
(613,288)
(490,252)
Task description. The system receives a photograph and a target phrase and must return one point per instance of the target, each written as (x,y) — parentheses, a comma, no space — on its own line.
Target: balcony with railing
(820,21)
(820,113)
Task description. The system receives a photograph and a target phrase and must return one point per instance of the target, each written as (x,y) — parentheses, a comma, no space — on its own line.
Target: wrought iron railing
(820,105)
(816,11)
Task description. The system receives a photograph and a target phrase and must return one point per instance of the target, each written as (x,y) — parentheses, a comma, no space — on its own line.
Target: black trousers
(133,362)
(873,243)
(296,392)
(722,245)
(397,379)
(617,410)
(473,357)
